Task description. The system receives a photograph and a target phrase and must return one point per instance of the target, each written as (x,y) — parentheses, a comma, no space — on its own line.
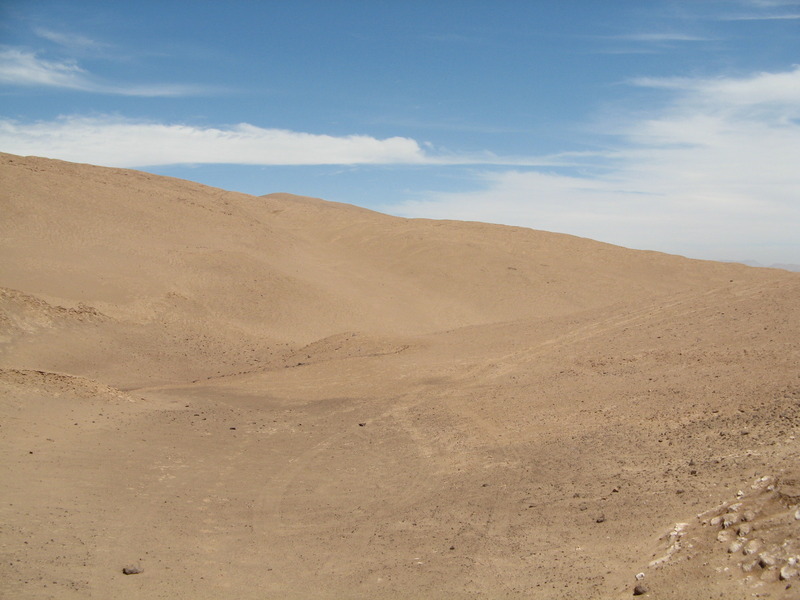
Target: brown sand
(281,397)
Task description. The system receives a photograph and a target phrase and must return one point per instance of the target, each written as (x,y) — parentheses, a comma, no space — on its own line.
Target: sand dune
(282,397)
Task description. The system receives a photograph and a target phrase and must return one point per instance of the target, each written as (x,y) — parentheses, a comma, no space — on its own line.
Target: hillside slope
(191,272)
(282,397)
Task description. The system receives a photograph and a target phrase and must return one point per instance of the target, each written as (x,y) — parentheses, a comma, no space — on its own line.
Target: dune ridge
(285,397)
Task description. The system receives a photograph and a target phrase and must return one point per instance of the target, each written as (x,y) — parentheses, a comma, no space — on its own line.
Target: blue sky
(665,125)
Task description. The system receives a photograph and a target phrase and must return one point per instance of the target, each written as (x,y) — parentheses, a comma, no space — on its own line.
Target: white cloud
(712,175)
(126,143)
(20,67)
(120,142)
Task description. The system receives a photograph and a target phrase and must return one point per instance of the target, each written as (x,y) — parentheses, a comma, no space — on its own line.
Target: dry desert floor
(279,397)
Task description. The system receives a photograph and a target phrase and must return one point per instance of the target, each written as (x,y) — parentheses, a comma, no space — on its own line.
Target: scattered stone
(640,589)
(362,424)
(730,519)
(788,571)
(724,536)
(132,570)
(639,576)
(749,565)
(735,547)
(600,519)
(766,560)
(716,521)
(752,547)
(743,530)
(797,514)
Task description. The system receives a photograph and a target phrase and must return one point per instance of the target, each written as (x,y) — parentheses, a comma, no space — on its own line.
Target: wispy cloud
(782,17)
(24,68)
(713,171)
(68,40)
(18,67)
(726,93)
(451,38)
(662,37)
(770,10)
(771,3)
(647,42)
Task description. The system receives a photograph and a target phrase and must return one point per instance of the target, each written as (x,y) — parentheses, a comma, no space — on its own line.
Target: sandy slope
(280,397)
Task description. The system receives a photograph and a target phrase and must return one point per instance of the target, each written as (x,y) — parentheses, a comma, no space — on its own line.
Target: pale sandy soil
(280,397)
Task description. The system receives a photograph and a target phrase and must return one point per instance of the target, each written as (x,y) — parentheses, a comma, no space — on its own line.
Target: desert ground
(280,397)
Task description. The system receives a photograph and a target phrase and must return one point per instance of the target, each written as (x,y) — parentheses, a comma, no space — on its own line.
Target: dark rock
(132,570)
(640,589)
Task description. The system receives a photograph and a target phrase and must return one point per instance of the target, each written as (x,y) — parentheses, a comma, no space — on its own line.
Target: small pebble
(640,589)
(132,570)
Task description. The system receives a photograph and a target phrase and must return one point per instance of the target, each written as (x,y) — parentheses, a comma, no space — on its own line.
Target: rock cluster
(760,530)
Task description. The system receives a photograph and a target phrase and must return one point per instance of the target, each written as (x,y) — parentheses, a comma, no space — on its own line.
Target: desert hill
(282,397)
